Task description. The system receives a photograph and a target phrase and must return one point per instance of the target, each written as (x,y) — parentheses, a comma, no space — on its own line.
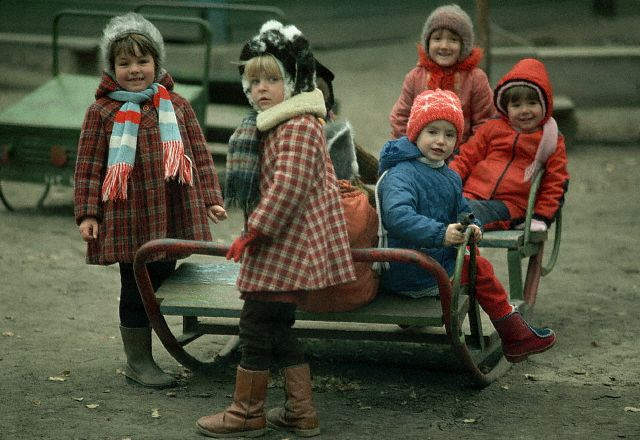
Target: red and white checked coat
(300,211)
(154,207)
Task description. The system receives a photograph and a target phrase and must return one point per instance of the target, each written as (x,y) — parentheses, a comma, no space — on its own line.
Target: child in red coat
(142,173)
(295,239)
(447,60)
(498,163)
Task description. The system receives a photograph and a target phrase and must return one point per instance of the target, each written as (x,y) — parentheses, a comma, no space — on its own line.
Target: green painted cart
(205,296)
(39,134)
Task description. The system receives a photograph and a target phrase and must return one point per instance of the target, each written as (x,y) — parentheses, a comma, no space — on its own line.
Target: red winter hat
(435,105)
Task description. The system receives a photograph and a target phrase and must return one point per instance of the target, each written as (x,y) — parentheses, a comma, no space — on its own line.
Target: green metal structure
(39,134)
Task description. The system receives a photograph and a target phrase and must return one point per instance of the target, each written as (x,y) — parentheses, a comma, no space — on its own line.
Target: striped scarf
(124,138)
(242,188)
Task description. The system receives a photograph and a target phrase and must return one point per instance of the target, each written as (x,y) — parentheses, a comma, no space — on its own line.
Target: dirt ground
(61,355)
(61,358)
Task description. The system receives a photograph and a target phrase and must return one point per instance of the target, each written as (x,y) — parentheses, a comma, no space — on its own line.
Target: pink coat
(300,212)
(154,208)
(469,83)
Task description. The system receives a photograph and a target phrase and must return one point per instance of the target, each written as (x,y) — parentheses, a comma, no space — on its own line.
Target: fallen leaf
(92,405)
(8,334)
(505,387)
(155,413)
(57,378)
(78,399)
(35,402)
(469,420)
(631,409)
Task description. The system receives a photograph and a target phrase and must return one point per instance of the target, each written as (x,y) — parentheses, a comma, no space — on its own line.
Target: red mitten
(246,241)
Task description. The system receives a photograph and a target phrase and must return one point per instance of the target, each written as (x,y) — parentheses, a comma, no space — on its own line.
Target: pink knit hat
(435,105)
(450,17)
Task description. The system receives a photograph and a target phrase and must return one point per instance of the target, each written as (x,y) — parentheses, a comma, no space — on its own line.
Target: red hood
(108,84)
(531,72)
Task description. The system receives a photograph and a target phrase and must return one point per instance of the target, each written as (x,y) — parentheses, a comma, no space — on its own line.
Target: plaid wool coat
(154,208)
(300,211)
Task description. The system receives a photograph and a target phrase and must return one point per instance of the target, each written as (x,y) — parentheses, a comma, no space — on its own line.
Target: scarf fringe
(176,163)
(115,182)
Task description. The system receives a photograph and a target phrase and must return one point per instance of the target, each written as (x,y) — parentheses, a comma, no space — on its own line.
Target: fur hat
(434,105)
(123,25)
(450,17)
(290,48)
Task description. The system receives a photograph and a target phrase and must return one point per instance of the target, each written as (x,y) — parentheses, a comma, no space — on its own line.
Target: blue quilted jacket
(417,204)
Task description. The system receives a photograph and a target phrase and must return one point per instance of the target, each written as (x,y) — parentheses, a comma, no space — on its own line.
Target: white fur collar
(300,104)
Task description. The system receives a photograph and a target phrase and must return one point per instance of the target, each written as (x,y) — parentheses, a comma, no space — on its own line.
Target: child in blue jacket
(420,200)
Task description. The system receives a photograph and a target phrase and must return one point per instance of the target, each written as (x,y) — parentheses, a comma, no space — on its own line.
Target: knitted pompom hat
(450,17)
(290,48)
(435,105)
(127,24)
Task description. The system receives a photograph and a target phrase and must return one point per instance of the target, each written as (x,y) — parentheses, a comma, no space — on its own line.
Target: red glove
(248,241)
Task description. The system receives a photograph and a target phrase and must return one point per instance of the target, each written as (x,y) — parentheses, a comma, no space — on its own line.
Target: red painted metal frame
(181,248)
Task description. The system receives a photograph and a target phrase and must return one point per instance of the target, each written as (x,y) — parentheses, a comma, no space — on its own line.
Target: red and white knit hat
(435,105)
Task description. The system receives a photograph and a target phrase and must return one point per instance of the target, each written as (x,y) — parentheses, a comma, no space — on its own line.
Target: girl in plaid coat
(142,173)
(295,239)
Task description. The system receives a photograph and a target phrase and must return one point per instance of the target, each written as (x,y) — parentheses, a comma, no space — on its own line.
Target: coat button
(145,107)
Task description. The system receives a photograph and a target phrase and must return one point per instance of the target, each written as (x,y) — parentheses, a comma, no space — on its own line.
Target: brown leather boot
(245,416)
(298,414)
(141,368)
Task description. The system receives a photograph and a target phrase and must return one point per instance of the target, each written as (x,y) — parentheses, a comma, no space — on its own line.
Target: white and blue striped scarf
(124,139)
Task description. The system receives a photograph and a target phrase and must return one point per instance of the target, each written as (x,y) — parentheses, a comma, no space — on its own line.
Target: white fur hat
(123,25)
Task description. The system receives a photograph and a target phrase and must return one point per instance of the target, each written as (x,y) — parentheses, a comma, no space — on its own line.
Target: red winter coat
(468,81)
(493,161)
(154,208)
(299,210)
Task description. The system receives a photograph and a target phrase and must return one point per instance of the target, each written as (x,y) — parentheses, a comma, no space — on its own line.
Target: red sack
(362,226)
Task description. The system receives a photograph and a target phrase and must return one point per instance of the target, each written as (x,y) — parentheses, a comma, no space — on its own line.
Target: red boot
(519,339)
(245,417)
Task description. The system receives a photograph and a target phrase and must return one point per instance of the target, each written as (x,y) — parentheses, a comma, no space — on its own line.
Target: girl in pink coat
(295,239)
(447,60)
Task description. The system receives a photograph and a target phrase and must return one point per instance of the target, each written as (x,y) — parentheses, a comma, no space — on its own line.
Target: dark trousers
(131,309)
(489,211)
(266,336)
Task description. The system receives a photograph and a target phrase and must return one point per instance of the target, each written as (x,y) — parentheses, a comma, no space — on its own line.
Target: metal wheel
(5,187)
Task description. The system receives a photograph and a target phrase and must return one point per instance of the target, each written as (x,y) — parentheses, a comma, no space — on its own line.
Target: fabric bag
(362,226)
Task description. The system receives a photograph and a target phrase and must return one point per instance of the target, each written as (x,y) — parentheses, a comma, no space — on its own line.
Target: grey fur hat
(450,17)
(130,23)
(290,48)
